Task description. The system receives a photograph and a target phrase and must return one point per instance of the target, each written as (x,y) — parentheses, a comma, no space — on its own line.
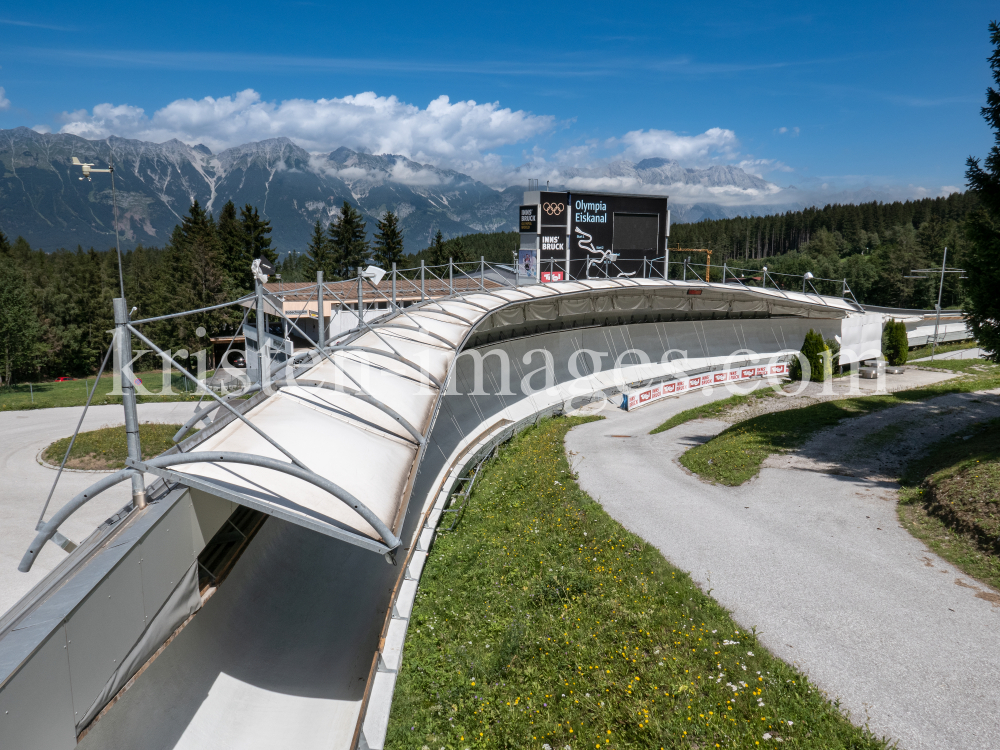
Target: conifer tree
(388,247)
(349,241)
(319,256)
(18,324)
(816,352)
(983,226)
(439,254)
(196,259)
(235,262)
(458,252)
(256,235)
(896,346)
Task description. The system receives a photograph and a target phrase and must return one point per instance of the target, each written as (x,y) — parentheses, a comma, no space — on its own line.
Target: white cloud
(758,167)
(444,133)
(4,101)
(947,190)
(793,132)
(713,143)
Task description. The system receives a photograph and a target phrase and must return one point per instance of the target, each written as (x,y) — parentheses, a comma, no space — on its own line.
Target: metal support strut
(321,339)
(123,342)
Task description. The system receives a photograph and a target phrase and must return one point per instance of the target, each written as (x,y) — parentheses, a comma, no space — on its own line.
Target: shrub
(895,345)
(819,356)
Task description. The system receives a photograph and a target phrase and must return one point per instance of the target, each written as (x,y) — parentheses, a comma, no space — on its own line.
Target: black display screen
(636,232)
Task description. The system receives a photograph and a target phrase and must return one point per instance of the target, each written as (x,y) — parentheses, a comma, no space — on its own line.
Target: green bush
(894,343)
(819,356)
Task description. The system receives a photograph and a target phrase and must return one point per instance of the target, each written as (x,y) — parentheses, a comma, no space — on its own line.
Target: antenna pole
(114,203)
(937,320)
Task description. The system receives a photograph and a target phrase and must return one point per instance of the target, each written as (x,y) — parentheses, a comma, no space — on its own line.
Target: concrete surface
(820,565)
(277,658)
(26,484)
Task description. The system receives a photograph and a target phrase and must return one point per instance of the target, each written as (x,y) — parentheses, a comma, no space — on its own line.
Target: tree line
(870,248)
(858,227)
(55,307)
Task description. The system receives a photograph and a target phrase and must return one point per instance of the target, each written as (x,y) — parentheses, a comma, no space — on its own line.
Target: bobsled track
(323,492)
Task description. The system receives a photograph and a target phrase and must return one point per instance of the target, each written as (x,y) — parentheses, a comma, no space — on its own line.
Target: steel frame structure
(507,294)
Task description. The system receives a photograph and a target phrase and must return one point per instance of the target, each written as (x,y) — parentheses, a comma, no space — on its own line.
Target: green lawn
(540,622)
(950,499)
(106,449)
(713,408)
(74,392)
(736,454)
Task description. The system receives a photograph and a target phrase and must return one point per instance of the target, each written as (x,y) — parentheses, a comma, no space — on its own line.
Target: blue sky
(877,94)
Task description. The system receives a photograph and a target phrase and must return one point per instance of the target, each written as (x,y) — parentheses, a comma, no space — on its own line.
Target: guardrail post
(321,339)
(422,295)
(643,266)
(361,304)
(843,288)
(686,269)
(723,272)
(451,276)
(394,285)
(123,342)
(482,272)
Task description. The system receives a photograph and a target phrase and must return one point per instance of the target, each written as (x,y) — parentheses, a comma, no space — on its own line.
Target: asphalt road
(820,565)
(25,484)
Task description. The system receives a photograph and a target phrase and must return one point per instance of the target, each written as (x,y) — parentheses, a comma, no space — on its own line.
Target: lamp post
(808,276)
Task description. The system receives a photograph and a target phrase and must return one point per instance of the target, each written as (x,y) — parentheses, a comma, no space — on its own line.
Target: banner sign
(549,276)
(527,262)
(529,219)
(631,401)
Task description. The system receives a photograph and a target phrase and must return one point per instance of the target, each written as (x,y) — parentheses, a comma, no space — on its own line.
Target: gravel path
(26,483)
(812,554)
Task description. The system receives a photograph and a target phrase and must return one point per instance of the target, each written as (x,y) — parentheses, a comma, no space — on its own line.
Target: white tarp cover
(860,338)
(368,453)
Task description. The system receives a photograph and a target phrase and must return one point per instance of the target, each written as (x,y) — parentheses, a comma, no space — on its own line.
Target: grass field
(105,449)
(541,622)
(74,392)
(714,408)
(950,499)
(736,454)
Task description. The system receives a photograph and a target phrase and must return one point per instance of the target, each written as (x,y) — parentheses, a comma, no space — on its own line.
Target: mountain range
(44,199)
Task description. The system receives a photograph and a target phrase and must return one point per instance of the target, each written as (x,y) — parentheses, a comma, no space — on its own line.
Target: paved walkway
(26,483)
(820,565)
(974,353)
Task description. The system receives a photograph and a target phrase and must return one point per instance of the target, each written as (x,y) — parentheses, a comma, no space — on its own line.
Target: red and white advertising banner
(661,390)
(550,276)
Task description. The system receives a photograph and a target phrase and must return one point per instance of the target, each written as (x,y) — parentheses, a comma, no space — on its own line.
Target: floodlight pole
(123,343)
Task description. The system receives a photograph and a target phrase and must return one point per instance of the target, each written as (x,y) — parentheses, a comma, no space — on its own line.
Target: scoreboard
(593,235)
